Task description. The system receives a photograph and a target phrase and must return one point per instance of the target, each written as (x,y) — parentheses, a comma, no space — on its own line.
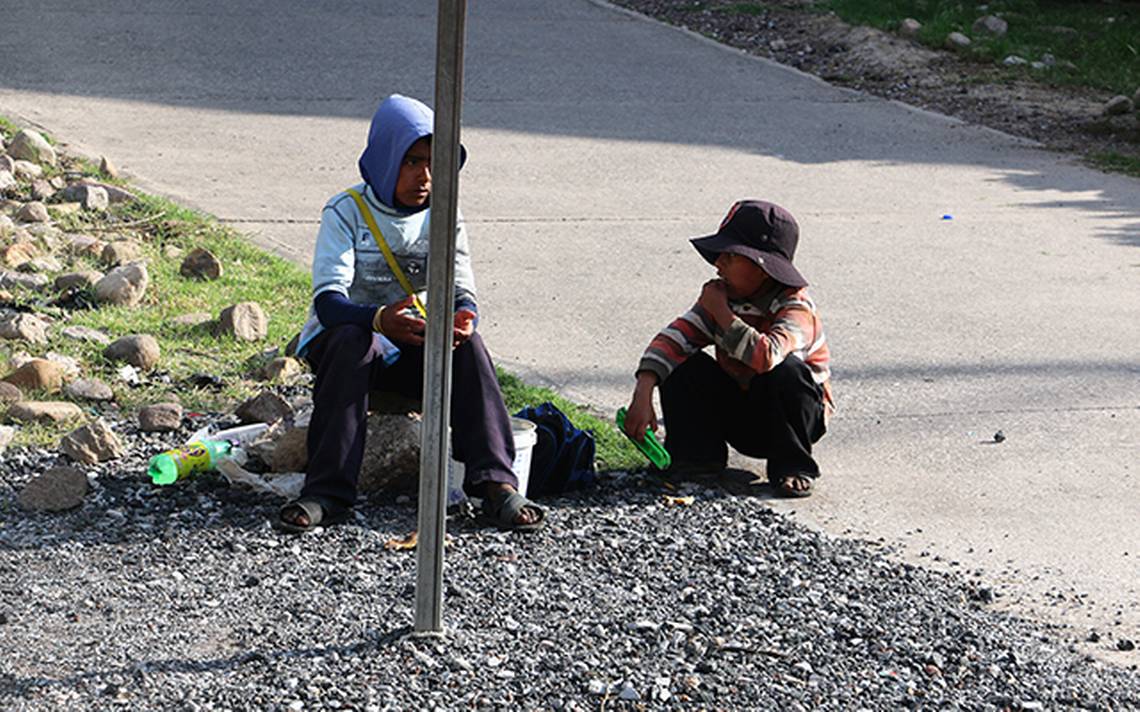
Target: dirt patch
(1063,118)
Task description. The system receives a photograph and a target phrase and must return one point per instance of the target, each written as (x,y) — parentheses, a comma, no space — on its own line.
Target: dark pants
(778,417)
(348,365)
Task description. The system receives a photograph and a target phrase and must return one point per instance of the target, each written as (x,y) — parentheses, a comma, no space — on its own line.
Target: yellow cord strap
(383,245)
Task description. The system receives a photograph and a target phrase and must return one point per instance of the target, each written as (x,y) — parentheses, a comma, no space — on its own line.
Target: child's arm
(640,413)
(685,336)
(794,328)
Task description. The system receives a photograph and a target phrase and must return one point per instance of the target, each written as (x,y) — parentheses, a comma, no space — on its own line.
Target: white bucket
(525,435)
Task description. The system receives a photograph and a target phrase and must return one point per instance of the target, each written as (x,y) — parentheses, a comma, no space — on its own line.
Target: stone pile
(47,271)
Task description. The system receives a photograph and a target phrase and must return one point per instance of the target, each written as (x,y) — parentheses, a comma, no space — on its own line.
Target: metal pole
(441,308)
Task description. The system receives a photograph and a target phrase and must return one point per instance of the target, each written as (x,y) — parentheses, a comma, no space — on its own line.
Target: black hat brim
(777,266)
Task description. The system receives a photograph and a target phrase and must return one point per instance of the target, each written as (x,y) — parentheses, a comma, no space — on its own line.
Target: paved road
(599,142)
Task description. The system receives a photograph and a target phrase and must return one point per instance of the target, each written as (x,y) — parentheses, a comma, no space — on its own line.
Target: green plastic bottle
(648,445)
(201,456)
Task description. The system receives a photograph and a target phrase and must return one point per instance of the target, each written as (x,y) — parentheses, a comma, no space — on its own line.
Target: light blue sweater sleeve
(334,258)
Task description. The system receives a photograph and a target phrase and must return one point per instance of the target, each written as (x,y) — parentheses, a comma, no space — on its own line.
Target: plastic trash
(287,486)
(240,435)
(179,463)
(648,445)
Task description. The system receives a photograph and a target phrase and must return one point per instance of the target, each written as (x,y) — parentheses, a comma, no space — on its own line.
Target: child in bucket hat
(768,391)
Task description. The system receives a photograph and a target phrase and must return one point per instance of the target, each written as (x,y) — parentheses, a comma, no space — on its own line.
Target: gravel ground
(183,597)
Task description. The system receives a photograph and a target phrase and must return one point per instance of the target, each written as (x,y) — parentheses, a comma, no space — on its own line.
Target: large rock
(17,254)
(42,190)
(957,40)
(44,411)
(282,368)
(160,417)
(44,263)
(139,350)
(201,264)
(991,25)
(23,327)
(123,286)
(120,252)
(8,182)
(114,193)
(1117,105)
(56,490)
(107,168)
(92,443)
(84,333)
(290,453)
(245,321)
(33,212)
(85,246)
(9,393)
(28,171)
(391,453)
(29,145)
(36,375)
(265,407)
(910,27)
(91,389)
(95,199)
(89,196)
(71,366)
(33,282)
(78,280)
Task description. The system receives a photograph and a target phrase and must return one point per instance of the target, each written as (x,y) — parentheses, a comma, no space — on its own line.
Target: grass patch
(614,450)
(1101,41)
(1116,163)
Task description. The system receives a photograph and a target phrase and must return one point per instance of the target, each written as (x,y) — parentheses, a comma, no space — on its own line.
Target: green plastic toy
(648,445)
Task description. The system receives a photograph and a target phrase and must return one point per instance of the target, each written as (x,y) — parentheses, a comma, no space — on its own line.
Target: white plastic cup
(525,435)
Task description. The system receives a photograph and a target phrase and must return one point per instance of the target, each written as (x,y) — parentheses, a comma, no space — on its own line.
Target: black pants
(779,417)
(348,365)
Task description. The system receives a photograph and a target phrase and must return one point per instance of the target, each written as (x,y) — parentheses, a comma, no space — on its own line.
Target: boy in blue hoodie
(365,331)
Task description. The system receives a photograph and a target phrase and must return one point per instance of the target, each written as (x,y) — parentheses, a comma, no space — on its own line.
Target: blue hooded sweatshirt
(399,122)
(350,276)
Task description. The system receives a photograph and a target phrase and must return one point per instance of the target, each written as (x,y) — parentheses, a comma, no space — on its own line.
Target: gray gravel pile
(183,597)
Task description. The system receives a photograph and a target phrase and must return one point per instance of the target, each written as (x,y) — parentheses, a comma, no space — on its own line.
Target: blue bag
(563,456)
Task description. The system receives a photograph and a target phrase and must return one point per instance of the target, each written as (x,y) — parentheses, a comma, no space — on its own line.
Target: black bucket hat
(761,231)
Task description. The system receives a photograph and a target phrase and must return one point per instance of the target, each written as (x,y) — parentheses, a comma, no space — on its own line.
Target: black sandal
(784,485)
(503,509)
(321,512)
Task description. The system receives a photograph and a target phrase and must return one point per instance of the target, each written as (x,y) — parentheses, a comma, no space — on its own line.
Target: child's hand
(640,414)
(714,300)
(400,326)
(464,327)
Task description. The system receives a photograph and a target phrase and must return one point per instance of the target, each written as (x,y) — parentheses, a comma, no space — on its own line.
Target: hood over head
(399,122)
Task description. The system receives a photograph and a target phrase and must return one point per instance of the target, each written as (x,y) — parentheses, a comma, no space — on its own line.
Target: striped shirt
(770,326)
